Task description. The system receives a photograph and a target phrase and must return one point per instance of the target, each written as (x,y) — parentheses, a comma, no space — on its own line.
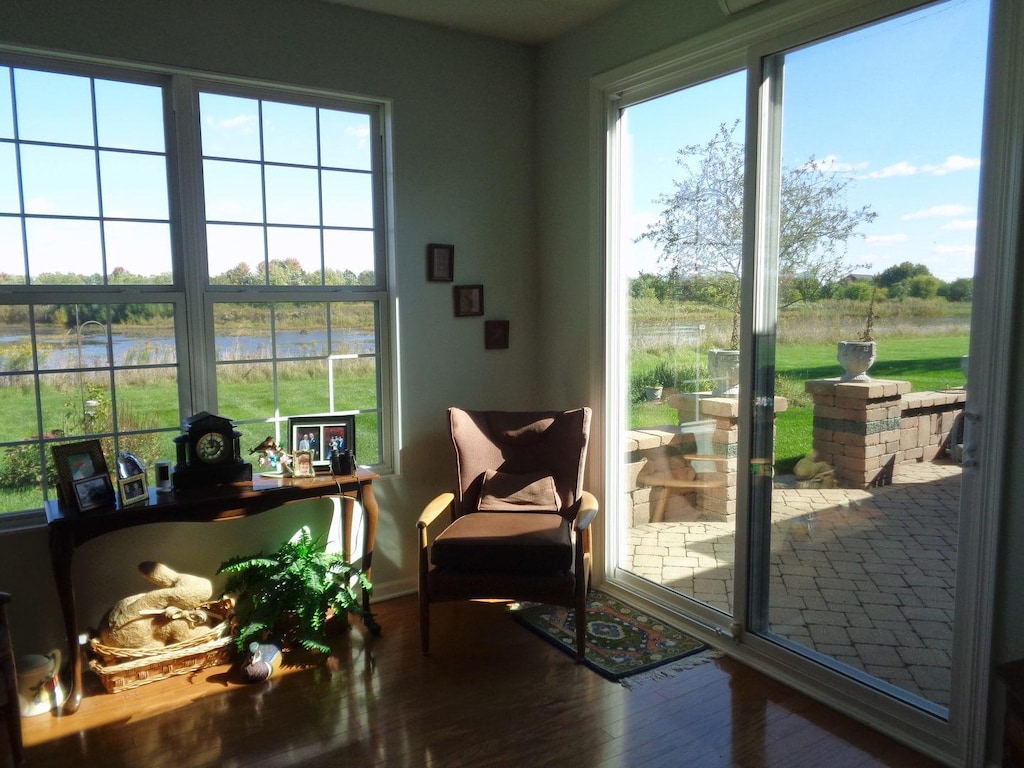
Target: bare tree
(700,229)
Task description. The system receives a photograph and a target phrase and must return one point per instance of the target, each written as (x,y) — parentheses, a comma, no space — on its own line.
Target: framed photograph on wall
(322,434)
(495,334)
(440,263)
(78,461)
(469,300)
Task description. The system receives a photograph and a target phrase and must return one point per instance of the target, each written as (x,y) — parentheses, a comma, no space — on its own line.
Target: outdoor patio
(864,576)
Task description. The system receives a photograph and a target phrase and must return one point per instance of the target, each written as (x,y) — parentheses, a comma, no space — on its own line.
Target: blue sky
(898,106)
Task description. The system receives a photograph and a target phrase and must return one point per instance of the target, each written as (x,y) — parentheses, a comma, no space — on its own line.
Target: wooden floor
(491,694)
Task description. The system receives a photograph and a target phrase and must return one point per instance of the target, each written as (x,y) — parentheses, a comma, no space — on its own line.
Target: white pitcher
(39,688)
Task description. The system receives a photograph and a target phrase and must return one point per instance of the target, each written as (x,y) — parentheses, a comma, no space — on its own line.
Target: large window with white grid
(171,245)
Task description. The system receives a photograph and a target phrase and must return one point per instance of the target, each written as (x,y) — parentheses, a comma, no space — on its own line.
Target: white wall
(464,146)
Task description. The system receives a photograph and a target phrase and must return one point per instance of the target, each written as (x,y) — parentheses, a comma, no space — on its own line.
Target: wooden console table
(215,504)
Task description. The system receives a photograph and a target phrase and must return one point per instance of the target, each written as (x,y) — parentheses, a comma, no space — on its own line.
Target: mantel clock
(209,453)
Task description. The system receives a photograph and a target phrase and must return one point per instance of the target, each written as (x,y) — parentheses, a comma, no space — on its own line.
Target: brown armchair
(520,519)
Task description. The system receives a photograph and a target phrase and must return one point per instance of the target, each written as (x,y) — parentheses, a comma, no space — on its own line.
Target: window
(225,255)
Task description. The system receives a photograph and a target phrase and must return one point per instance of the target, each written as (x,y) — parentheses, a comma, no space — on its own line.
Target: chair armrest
(587,512)
(433,510)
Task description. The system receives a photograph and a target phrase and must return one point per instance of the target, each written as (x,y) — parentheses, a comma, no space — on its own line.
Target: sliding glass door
(791,275)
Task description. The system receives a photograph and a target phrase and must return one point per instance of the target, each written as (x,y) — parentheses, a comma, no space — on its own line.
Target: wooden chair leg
(581,624)
(424,624)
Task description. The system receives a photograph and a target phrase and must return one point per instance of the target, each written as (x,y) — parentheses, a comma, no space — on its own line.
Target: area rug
(621,640)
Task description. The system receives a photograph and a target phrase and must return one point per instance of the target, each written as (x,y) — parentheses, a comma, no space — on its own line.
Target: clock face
(211,447)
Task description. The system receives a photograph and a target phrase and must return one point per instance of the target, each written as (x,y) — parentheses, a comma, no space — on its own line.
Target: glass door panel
(681,212)
(877,188)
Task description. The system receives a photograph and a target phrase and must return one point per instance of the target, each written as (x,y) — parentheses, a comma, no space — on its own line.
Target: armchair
(519,525)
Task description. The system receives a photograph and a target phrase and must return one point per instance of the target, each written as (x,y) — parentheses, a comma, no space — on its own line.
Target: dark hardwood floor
(491,693)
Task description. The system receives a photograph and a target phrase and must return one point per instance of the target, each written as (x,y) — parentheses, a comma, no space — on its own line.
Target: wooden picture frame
(133,489)
(323,434)
(440,263)
(96,492)
(469,300)
(78,461)
(495,334)
(302,464)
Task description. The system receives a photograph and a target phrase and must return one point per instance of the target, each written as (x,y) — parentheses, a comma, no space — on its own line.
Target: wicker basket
(120,669)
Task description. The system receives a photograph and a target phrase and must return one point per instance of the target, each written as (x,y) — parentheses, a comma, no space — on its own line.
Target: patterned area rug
(621,640)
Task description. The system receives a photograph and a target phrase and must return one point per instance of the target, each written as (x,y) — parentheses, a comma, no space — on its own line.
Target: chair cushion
(527,542)
(506,492)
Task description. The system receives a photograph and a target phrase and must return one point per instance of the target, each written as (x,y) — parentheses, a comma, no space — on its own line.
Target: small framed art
(322,435)
(469,300)
(94,492)
(79,461)
(302,464)
(495,334)
(440,263)
(133,489)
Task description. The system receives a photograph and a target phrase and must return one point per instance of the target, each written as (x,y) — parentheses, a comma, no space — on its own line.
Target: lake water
(62,351)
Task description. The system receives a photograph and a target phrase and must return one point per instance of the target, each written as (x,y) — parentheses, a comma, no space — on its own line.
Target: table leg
(371,513)
(61,551)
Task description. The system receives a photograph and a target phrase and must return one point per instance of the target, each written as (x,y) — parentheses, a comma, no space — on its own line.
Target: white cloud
(961,224)
(952,163)
(886,239)
(240,121)
(902,168)
(832,163)
(937,211)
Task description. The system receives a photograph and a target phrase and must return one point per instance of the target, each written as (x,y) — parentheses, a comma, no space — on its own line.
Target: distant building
(855,278)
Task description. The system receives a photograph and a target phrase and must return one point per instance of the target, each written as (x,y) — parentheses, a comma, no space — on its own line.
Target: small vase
(652,394)
(856,357)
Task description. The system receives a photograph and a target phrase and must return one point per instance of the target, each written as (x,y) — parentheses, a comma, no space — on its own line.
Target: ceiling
(530,22)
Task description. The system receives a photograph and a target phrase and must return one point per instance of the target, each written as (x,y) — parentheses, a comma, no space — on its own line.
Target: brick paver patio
(864,576)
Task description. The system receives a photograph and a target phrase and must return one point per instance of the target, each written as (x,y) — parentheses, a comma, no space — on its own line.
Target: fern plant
(285,597)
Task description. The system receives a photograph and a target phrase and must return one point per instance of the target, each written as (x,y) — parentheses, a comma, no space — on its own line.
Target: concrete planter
(856,357)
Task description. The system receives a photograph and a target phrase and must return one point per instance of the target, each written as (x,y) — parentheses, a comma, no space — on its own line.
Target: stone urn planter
(724,368)
(856,357)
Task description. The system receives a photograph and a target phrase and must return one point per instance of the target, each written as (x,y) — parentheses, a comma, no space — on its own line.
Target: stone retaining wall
(864,430)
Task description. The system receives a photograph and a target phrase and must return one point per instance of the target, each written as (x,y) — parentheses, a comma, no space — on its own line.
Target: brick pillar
(857,428)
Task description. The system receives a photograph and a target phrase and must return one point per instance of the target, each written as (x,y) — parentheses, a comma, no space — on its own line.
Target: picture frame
(78,461)
(469,300)
(440,263)
(495,334)
(133,489)
(302,464)
(321,434)
(96,492)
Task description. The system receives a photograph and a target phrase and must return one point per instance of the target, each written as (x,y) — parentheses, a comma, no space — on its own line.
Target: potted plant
(857,357)
(286,597)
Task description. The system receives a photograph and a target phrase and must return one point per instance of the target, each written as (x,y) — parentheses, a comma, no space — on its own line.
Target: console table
(68,530)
